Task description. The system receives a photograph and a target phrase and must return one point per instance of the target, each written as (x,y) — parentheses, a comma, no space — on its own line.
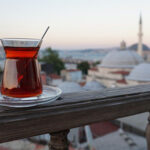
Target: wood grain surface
(73,110)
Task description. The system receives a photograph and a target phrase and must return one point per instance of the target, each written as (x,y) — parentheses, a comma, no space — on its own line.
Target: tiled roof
(102,128)
(121,72)
(93,85)
(93,69)
(69,87)
(82,83)
(122,81)
(114,141)
(54,76)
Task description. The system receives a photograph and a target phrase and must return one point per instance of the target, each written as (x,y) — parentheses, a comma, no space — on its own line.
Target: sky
(75,24)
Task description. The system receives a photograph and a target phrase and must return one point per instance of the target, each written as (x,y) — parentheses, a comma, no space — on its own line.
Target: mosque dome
(69,87)
(140,73)
(121,59)
(93,86)
(135,47)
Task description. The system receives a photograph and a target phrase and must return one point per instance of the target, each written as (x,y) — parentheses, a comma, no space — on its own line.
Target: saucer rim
(12,102)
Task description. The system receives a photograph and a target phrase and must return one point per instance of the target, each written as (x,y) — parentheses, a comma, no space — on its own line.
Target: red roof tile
(102,128)
(121,72)
(38,147)
(93,69)
(54,76)
(123,81)
(82,83)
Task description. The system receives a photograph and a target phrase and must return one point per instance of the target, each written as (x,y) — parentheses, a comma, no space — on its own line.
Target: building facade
(114,68)
(71,75)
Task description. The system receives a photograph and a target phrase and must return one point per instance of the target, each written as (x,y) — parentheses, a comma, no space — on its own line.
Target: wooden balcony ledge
(73,110)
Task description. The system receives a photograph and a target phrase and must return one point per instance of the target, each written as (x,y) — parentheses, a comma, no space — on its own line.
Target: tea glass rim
(20,42)
(17,39)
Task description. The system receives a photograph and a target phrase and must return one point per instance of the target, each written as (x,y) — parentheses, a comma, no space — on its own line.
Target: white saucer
(48,95)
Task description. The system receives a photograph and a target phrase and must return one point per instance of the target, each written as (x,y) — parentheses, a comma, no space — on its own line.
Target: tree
(52,57)
(83,66)
(96,63)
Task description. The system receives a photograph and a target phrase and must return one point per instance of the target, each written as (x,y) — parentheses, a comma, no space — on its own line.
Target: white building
(71,75)
(139,75)
(115,66)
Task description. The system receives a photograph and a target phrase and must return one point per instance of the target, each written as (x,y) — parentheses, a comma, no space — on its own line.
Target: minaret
(140,34)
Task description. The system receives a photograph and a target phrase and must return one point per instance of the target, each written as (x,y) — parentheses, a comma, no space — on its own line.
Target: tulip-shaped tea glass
(21,76)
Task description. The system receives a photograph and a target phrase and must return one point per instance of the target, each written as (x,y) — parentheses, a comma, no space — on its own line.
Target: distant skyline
(76,24)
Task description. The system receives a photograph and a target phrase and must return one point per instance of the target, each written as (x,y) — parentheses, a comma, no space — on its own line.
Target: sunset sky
(75,24)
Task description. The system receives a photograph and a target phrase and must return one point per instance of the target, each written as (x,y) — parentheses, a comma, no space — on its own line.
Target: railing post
(148,133)
(59,140)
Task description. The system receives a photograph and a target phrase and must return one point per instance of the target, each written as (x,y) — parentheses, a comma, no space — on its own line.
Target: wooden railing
(73,110)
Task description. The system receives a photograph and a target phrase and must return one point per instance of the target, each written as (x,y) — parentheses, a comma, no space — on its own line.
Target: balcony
(74,110)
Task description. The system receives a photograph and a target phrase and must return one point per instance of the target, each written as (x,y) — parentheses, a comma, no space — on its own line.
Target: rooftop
(93,86)
(54,76)
(140,73)
(94,69)
(108,142)
(121,59)
(69,87)
(120,72)
(122,81)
